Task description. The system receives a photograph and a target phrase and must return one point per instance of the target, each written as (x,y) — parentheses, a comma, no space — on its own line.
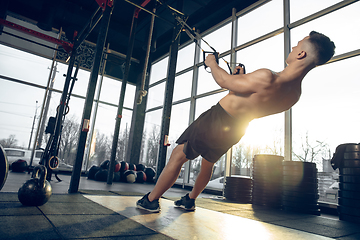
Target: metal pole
(32,128)
(100,45)
(121,99)
(165,125)
(92,127)
(288,113)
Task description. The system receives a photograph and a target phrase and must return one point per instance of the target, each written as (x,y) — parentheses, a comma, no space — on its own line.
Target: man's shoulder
(264,73)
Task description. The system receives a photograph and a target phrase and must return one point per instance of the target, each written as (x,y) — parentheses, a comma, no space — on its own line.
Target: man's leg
(203,178)
(170,173)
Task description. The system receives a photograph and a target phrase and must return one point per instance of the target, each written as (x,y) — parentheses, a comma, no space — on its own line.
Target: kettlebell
(36,191)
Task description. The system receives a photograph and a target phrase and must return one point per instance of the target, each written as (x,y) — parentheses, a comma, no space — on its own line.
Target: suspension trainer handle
(242,66)
(216,54)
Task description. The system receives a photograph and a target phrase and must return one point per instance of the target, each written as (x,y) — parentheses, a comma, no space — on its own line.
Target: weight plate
(4,167)
(352,147)
(276,204)
(349,179)
(300,199)
(349,211)
(245,193)
(294,178)
(306,185)
(307,211)
(299,164)
(349,218)
(348,202)
(349,171)
(351,163)
(265,195)
(299,168)
(349,194)
(268,157)
(302,189)
(300,205)
(300,194)
(349,187)
(312,174)
(352,155)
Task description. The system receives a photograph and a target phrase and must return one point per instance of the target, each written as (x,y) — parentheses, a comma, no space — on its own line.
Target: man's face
(296,50)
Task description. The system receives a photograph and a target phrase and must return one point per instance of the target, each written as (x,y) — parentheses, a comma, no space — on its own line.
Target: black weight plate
(349,179)
(299,164)
(294,178)
(268,171)
(267,189)
(312,174)
(268,177)
(349,194)
(349,187)
(227,191)
(238,185)
(349,218)
(301,184)
(238,180)
(352,147)
(299,169)
(276,204)
(268,157)
(351,163)
(307,211)
(304,199)
(305,189)
(300,194)
(349,211)
(4,167)
(349,171)
(270,197)
(301,205)
(352,155)
(260,182)
(348,202)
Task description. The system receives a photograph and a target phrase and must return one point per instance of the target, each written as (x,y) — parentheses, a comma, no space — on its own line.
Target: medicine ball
(130,176)
(117,166)
(140,177)
(117,176)
(124,166)
(132,166)
(92,171)
(19,166)
(105,164)
(140,167)
(150,174)
(101,175)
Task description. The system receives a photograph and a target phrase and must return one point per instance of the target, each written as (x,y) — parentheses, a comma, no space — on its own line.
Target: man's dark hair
(324,46)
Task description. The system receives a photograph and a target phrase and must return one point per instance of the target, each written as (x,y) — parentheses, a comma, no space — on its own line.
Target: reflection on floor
(199,224)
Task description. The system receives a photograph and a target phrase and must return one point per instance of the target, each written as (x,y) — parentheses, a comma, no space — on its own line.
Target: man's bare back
(273,94)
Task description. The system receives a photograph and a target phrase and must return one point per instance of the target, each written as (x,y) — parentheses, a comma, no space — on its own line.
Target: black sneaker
(186,203)
(145,204)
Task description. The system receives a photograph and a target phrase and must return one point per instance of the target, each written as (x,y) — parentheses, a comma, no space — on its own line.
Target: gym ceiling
(73,15)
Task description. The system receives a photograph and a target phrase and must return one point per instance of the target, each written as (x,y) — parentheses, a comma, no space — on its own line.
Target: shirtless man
(254,95)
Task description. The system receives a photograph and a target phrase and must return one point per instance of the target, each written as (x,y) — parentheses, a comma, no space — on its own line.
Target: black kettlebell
(36,191)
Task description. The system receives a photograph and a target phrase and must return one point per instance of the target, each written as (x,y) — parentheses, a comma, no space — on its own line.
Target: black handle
(216,54)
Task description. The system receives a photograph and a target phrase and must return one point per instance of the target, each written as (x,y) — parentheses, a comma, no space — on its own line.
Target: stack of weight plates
(349,183)
(238,189)
(267,180)
(300,187)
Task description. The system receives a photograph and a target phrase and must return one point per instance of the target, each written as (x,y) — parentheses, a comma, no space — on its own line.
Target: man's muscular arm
(241,83)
